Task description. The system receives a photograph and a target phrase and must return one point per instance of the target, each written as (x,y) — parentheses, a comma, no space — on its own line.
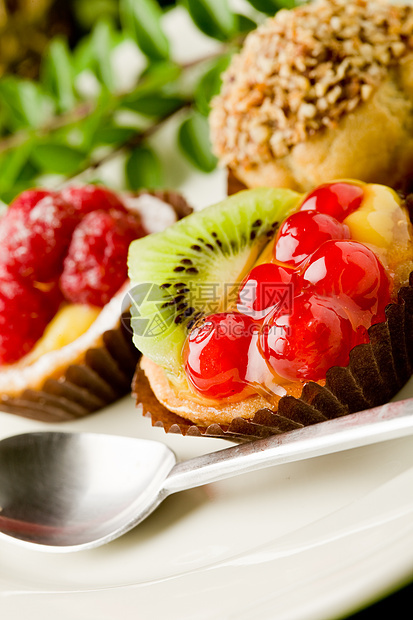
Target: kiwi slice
(194,268)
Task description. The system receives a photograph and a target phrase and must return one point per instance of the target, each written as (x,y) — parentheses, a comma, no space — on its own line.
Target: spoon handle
(388,421)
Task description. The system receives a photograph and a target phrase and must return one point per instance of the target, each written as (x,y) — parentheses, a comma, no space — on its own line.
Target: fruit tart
(273,309)
(64,351)
(320,92)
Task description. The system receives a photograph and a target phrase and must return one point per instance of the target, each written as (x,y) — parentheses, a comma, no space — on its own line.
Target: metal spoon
(70,491)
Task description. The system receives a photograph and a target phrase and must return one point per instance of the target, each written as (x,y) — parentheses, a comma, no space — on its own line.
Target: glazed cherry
(216,355)
(265,286)
(335,199)
(303,232)
(304,344)
(349,268)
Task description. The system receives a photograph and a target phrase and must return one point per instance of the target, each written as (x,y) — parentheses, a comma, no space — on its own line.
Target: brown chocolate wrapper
(104,375)
(174,199)
(376,372)
(234,185)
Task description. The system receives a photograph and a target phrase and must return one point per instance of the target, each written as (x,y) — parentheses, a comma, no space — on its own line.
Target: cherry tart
(65,340)
(319,325)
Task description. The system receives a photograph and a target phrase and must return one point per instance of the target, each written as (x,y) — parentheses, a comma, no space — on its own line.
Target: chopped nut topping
(301,71)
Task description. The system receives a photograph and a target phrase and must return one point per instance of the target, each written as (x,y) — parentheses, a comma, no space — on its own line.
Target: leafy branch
(78,114)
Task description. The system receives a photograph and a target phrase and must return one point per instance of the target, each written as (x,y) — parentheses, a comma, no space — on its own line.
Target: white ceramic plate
(311,540)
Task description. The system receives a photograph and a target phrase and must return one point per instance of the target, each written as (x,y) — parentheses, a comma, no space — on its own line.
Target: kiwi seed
(196,260)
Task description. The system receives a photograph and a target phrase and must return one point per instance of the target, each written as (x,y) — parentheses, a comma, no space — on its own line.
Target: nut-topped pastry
(319,92)
(63,278)
(275,302)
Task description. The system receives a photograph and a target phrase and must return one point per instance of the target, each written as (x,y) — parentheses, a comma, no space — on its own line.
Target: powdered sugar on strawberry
(55,247)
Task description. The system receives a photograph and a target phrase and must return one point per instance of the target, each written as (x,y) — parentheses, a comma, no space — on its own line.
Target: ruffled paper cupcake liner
(234,185)
(103,377)
(376,372)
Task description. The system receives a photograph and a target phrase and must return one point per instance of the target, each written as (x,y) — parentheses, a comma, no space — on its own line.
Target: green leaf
(57,73)
(143,169)
(193,139)
(142,20)
(270,7)
(83,55)
(12,163)
(157,75)
(79,133)
(210,83)
(113,135)
(156,106)
(27,174)
(58,158)
(88,12)
(245,24)
(156,94)
(24,103)
(8,195)
(102,42)
(213,17)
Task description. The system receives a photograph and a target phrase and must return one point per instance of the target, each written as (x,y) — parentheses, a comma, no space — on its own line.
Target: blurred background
(27,26)
(60,105)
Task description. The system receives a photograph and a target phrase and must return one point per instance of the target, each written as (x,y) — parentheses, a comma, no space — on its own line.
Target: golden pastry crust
(320,92)
(374,144)
(201,414)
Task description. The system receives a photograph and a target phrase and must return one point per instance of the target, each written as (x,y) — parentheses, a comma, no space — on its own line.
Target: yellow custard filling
(67,325)
(382,223)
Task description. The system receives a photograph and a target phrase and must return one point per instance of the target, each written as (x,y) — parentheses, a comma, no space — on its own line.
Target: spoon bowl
(66,489)
(70,491)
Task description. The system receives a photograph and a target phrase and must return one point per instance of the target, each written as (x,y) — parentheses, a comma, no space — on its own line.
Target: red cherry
(303,345)
(265,286)
(335,199)
(350,269)
(303,232)
(216,355)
